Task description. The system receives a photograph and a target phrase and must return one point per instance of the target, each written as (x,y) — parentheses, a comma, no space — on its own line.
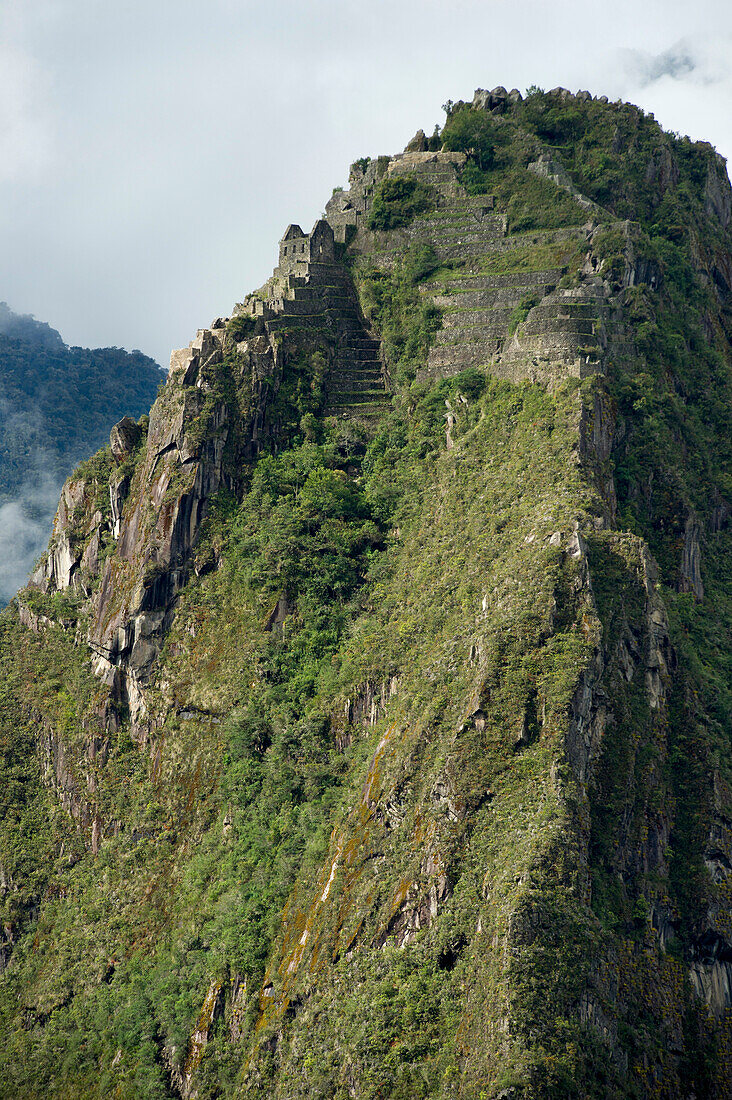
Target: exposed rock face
(718,199)
(418,144)
(690,579)
(123,438)
(155,514)
(463,820)
(182,470)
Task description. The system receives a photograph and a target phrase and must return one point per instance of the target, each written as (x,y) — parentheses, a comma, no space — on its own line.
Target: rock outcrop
(366,724)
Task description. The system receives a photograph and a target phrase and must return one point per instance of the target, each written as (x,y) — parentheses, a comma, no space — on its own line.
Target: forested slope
(366,732)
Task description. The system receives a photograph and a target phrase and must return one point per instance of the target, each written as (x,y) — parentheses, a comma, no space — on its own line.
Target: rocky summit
(367,725)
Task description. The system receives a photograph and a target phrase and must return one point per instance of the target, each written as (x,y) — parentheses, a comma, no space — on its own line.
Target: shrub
(240,327)
(397,201)
(470,131)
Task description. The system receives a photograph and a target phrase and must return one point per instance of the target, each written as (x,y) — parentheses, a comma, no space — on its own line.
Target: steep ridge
(310,290)
(367,724)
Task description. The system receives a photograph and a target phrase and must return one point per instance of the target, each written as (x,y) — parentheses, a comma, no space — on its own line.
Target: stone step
(317,293)
(429,175)
(453,237)
(355,397)
(358,382)
(500,313)
(464,250)
(360,366)
(477,335)
(363,408)
(446,219)
(461,356)
(308,322)
(568,308)
(347,379)
(508,279)
(325,279)
(371,370)
(293,307)
(556,326)
(360,354)
(359,397)
(345,313)
(358,339)
(346,371)
(493,319)
(556,343)
(363,413)
(503,298)
(540,314)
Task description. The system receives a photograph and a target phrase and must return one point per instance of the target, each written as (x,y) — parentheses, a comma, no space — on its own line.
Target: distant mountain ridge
(24,326)
(57,404)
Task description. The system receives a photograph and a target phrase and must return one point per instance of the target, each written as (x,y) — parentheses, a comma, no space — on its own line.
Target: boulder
(124,438)
(494,100)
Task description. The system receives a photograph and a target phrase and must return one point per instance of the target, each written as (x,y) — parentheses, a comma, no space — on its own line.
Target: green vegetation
(239,328)
(535,255)
(521,312)
(393,305)
(61,401)
(470,132)
(422,776)
(300,392)
(397,202)
(499,152)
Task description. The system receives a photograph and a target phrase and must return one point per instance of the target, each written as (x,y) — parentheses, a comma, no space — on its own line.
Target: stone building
(298,248)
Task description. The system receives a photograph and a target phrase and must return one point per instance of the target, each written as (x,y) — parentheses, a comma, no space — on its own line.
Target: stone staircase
(521,324)
(518,323)
(319,296)
(461,228)
(356,384)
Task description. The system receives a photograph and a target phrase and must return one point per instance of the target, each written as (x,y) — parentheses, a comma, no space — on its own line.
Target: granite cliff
(366,725)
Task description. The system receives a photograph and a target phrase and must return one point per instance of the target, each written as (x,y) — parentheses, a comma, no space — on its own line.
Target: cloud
(25,526)
(153,152)
(687,86)
(25,137)
(645,68)
(697,60)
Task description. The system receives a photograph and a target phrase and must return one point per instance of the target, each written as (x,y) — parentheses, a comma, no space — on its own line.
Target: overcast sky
(152,153)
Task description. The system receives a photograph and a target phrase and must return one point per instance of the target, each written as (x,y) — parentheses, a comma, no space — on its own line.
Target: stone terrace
(310,290)
(501,302)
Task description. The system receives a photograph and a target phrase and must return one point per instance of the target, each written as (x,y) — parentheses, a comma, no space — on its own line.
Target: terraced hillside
(524,304)
(367,726)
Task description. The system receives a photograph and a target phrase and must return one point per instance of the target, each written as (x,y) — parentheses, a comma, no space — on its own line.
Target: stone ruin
(298,250)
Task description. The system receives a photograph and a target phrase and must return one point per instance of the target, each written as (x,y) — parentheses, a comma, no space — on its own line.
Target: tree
(470,131)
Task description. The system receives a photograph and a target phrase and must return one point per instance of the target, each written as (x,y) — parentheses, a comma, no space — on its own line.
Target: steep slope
(58,404)
(366,726)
